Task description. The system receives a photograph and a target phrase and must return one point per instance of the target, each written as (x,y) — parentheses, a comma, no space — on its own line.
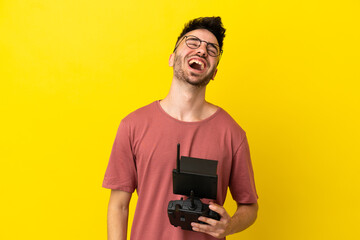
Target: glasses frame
(201,41)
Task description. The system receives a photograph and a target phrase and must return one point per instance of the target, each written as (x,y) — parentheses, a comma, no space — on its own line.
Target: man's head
(212,24)
(197,51)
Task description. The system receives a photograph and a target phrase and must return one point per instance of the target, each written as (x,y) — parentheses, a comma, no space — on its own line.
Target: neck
(186,102)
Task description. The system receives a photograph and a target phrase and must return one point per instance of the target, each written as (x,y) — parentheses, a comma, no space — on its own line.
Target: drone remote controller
(183,212)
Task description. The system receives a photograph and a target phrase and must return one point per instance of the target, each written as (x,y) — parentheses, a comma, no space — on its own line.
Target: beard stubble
(180,74)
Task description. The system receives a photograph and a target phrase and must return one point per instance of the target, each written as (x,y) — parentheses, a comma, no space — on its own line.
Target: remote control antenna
(193,206)
(178,159)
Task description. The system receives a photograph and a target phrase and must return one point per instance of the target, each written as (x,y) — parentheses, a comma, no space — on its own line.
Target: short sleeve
(121,170)
(242,184)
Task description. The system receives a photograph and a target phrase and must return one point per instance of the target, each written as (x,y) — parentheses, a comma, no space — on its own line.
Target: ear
(213,76)
(171,60)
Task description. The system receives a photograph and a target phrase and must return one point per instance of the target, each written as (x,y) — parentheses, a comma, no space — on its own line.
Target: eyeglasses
(194,43)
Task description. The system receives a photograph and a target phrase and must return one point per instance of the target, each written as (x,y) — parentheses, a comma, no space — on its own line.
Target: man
(144,151)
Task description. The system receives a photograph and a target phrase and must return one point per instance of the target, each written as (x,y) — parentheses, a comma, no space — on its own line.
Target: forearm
(117,223)
(118,212)
(243,218)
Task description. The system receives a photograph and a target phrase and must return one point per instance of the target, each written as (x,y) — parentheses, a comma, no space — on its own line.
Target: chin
(199,84)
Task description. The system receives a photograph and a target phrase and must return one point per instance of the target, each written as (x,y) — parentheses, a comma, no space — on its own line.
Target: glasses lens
(193,42)
(212,50)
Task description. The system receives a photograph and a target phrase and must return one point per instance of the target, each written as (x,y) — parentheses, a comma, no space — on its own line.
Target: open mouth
(196,64)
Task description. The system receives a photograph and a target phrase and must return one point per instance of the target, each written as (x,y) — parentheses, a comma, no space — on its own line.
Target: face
(195,66)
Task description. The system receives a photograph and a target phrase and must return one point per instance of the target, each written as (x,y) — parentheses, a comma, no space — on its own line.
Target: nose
(202,49)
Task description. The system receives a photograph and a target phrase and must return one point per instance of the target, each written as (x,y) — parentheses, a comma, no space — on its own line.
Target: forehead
(203,34)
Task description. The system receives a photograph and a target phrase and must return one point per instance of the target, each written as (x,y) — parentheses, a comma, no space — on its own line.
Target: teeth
(197,62)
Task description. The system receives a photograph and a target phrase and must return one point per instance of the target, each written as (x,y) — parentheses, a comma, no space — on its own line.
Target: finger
(209,221)
(198,227)
(219,209)
(204,228)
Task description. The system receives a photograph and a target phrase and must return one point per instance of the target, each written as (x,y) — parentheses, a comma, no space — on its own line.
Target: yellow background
(71,70)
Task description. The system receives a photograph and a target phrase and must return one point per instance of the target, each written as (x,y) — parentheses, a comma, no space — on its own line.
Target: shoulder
(225,121)
(226,118)
(137,120)
(140,114)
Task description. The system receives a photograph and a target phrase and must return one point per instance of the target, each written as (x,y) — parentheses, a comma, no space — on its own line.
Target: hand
(218,229)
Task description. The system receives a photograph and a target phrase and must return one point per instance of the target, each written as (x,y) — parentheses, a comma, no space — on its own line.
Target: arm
(243,218)
(118,211)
